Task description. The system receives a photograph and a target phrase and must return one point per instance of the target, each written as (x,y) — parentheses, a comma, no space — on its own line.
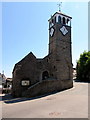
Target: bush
(83,67)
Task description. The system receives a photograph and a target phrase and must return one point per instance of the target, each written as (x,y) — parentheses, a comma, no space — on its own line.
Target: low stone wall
(47,86)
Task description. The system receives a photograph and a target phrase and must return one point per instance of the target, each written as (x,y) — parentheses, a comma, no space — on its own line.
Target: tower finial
(59,6)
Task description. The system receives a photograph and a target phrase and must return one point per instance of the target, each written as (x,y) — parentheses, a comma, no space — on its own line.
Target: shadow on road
(8,99)
(75,80)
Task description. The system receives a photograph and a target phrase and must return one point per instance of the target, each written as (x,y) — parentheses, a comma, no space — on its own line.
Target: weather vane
(59,6)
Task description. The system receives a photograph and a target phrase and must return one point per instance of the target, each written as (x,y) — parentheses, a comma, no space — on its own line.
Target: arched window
(59,19)
(49,24)
(63,20)
(45,75)
(67,21)
(52,20)
(55,19)
(54,67)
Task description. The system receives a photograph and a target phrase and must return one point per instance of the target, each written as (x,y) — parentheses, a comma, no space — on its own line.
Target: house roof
(29,56)
(9,79)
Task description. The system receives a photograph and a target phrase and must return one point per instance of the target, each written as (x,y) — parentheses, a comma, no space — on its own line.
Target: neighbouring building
(33,76)
(9,82)
(2,79)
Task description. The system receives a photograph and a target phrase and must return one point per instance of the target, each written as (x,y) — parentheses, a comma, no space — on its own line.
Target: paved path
(72,103)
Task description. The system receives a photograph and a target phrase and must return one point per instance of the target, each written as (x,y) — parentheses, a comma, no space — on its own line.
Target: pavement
(71,103)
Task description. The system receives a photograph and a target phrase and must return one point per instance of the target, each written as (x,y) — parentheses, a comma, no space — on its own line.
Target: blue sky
(25,29)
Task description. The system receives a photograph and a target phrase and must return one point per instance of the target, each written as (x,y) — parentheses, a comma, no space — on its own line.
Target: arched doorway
(45,75)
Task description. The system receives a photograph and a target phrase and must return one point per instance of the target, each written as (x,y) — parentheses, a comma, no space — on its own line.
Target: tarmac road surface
(71,103)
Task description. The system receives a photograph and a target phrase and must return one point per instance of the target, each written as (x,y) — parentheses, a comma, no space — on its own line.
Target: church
(33,77)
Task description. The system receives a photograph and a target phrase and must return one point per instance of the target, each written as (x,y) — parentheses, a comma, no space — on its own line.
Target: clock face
(52,32)
(64,30)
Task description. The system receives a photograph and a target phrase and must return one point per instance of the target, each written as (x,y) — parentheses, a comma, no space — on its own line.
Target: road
(71,103)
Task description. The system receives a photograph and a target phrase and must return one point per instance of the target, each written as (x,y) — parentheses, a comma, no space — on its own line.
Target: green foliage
(83,67)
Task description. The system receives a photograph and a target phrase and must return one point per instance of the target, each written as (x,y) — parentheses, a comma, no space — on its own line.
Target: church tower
(60,45)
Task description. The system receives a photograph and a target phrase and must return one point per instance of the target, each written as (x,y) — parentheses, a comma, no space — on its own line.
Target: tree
(83,67)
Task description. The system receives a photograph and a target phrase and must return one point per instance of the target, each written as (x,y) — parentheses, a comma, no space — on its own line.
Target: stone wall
(26,69)
(46,87)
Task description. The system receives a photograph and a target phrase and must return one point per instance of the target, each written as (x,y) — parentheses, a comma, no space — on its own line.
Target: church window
(45,75)
(52,75)
(52,20)
(50,24)
(63,20)
(55,19)
(54,67)
(59,19)
(67,21)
